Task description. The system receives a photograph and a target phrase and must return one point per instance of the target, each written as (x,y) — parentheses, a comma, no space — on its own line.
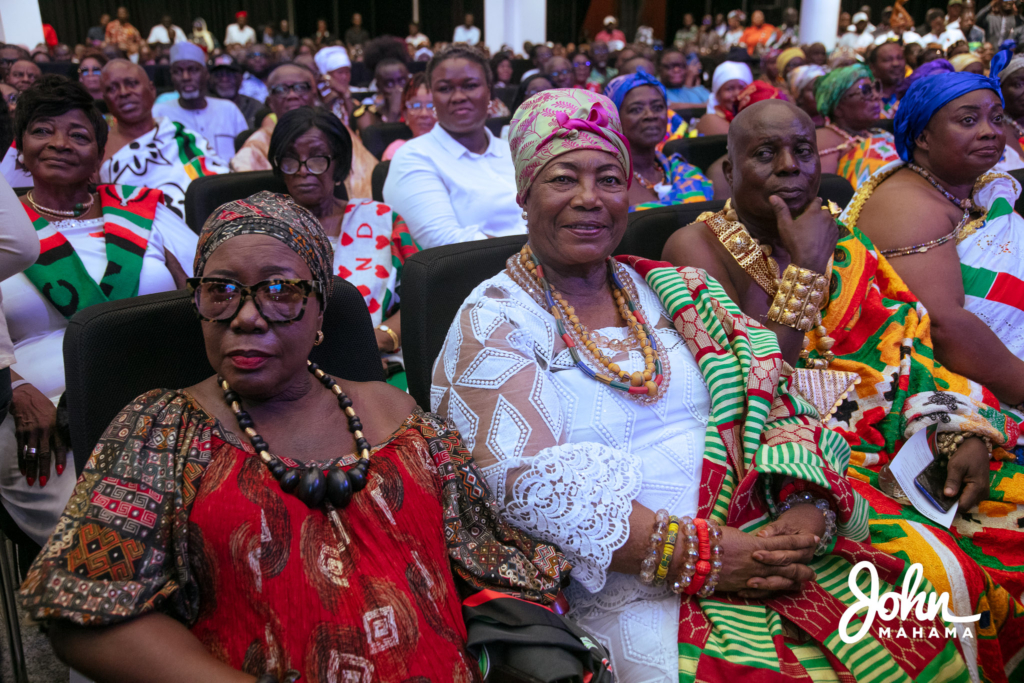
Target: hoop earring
(319,338)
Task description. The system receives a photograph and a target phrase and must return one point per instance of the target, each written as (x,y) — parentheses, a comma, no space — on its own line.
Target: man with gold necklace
(872,331)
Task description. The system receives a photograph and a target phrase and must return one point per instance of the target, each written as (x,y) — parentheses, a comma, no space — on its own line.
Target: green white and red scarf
(59,273)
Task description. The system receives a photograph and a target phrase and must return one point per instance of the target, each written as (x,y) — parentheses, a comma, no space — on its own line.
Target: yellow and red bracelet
(667,551)
(690,555)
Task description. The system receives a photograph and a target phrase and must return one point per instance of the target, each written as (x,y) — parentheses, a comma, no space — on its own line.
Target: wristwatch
(391,333)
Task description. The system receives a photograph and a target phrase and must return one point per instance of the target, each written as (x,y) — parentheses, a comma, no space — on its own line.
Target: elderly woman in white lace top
(577,460)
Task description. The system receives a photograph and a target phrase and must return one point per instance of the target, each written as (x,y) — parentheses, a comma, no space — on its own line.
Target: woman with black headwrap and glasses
(282,523)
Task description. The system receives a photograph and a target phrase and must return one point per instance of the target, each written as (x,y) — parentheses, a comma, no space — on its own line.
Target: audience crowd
(671,466)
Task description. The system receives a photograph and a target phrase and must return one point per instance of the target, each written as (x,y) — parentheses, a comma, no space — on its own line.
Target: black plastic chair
(497,123)
(435,282)
(207,193)
(884,124)
(242,137)
(377,179)
(1018,175)
(377,137)
(117,350)
(701,152)
(506,95)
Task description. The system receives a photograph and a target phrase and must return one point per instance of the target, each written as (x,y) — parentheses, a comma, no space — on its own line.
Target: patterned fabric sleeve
(493,381)
(120,548)
(402,247)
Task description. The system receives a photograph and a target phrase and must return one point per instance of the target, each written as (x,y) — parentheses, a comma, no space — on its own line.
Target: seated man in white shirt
(257,69)
(858,37)
(467,33)
(166,33)
(939,33)
(240,33)
(148,151)
(456,183)
(217,120)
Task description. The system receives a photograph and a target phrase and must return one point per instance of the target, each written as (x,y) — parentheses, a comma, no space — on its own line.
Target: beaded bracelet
(946,443)
(650,564)
(668,551)
(825,508)
(714,559)
(798,299)
(691,555)
(703,564)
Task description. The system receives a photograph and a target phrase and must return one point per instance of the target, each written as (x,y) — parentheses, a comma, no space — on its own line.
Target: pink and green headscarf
(554,122)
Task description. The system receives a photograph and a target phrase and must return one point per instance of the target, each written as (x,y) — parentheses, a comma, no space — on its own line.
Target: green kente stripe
(144,223)
(977,281)
(1000,207)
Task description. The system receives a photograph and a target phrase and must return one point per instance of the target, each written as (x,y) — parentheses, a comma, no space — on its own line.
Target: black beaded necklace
(309,484)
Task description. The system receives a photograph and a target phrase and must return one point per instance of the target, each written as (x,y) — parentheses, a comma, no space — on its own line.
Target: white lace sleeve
(494,382)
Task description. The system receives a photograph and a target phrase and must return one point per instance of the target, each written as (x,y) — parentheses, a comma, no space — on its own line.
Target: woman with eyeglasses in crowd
(419,112)
(581,70)
(89,73)
(680,74)
(311,151)
(850,99)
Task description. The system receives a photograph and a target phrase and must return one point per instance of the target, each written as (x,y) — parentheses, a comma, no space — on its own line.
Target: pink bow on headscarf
(556,122)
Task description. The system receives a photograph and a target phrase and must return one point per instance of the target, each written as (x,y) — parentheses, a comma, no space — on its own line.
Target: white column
(819,22)
(512,22)
(21,23)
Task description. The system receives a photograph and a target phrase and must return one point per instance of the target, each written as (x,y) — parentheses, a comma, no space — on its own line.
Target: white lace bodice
(566,456)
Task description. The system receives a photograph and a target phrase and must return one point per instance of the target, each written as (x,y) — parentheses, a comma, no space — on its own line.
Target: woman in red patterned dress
(245,529)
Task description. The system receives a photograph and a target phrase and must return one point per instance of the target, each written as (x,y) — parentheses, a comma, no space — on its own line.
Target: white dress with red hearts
(370,252)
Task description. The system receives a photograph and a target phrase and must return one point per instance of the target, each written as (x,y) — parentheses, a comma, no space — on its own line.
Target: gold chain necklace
(764,270)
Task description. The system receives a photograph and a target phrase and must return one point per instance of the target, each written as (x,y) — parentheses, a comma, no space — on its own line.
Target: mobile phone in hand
(932,483)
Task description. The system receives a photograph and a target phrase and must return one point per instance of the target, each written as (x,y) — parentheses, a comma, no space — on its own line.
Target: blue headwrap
(929,95)
(620,85)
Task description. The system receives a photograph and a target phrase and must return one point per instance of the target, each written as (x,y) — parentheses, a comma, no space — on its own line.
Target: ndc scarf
(59,273)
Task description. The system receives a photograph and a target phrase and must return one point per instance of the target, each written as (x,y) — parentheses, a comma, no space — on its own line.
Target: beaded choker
(644,385)
(965,205)
(309,484)
(79,209)
(849,140)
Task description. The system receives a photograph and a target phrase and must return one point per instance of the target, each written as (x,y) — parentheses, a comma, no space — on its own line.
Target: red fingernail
(30,480)
(60,469)
(42,481)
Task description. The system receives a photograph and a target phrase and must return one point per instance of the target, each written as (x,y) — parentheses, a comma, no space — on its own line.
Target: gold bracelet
(798,299)
(391,333)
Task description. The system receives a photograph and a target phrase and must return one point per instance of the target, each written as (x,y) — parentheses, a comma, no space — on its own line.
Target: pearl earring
(21,158)
(524,215)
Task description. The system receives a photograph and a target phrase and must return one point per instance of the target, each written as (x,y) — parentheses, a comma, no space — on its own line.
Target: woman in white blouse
(591,397)
(457,182)
(113,243)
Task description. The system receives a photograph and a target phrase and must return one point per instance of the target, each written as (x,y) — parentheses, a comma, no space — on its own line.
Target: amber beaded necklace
(646,384)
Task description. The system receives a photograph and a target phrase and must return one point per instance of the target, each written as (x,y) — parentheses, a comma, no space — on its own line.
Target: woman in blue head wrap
(946,223)
(660,181)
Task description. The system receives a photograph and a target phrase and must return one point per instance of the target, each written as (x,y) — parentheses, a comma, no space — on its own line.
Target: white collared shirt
(160,34)
(447,194)
(470,36)
(236,35)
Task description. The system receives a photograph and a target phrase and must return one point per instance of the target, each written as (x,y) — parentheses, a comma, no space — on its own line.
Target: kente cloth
(686,184)
(889,106)
(371,252)
(175,514)
(760,432)
(833,85)
(554,122)
(677,129)
(59,274)
(277,216)
(167,158)
(883,333)
(927,96)
(859,161)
